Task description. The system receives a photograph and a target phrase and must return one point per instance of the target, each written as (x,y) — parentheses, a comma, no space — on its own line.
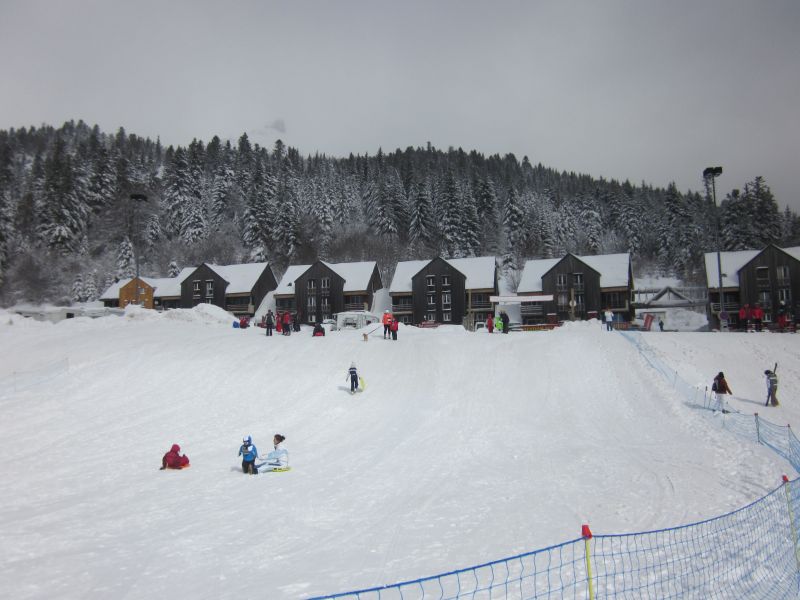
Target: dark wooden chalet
(582,287)
(766,277)
(239,289)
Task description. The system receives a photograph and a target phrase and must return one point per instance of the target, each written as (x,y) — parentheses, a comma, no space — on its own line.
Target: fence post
(758,430)
(791,522)
(586,533)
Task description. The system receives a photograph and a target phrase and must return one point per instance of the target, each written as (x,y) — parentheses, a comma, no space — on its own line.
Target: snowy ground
(465,447)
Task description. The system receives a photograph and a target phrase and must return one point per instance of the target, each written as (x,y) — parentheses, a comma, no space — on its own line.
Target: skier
(278,459)
(393,328)
(772,388)
(174,460)
(387,324)
(609,315)
(249,453)
(720,385)
(490,323)
(270,322)
(353,373)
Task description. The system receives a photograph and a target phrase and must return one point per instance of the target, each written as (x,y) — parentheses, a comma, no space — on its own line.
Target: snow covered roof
(112,293)
(731,263)
(613,269)
(405,270)
(531,280)
(286,285)
(479,272)
(241,278)
(794,252)
(356,275)
(169,286)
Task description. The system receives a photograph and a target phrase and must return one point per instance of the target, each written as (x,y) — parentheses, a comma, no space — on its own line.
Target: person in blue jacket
(249,453)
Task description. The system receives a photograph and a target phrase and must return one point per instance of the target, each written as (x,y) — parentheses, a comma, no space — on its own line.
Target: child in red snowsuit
(174,460)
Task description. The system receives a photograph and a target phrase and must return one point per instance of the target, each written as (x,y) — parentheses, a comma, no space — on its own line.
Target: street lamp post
(134,198)
(712,173)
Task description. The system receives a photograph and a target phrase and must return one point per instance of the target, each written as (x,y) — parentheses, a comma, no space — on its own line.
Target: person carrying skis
(174,460)
(720,385)
(490,323)
(353,373)
(387,324)
(278,459)
(270,322)
(772,388)
(249,453)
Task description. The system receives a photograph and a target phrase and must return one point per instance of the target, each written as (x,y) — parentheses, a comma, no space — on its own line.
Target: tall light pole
(134,198)
(712,173)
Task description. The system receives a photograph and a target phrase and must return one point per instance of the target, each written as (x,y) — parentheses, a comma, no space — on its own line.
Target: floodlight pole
(712,173)
(135,198)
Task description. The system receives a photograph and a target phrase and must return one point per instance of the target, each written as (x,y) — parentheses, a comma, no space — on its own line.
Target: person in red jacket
(758,315)
(744,316)
(490,323)
(393,327)
(287,323)
(174,460)
(387,323)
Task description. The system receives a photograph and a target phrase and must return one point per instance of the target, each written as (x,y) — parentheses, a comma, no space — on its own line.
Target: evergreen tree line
(69,228)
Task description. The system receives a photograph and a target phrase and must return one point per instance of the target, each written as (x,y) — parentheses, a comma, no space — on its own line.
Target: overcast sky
(645,91)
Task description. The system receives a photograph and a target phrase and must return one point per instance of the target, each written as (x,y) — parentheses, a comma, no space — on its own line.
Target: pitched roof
(112,293)
(162,286)
(286,285)
(356,275)
(241,278)
(731,263)
(613,269)
(405,270)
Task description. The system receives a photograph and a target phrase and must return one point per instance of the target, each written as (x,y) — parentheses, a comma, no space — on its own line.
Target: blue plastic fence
(752,552)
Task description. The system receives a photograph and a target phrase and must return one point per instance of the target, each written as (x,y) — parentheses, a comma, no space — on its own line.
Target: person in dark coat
(504,319)
(296,322)
(772,388)
(720,385)
(270,322)
(352,372)
(174,460)
(319,330)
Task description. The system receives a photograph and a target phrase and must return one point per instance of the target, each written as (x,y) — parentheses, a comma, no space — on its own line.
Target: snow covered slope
(465,447)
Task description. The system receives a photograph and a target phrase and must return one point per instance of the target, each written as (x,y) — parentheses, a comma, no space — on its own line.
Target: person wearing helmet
(353,373)
(174,460)
(249,453)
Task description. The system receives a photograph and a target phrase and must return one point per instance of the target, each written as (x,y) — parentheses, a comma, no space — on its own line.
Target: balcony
(531,310)
(484,305)
(348,306)
(402,308)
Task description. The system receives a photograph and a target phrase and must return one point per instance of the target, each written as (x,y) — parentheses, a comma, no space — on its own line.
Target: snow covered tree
(512,224)
(126,261)
(173,270)
(90,292)
(78,293)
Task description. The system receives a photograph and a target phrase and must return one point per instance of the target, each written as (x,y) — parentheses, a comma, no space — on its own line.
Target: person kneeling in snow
(249,453)
(319,331)
(174,460)
(278,459)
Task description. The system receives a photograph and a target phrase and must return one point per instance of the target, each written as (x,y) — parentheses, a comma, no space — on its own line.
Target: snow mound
(202,313)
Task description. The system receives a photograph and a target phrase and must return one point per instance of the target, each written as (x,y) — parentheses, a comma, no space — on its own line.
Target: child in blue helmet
(249,453)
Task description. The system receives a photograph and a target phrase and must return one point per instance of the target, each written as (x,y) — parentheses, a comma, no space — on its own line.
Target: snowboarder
(353,373)
(270,322)
(174,460)
(772,388)
(490,324)
(393,327)
(609,316)
(720,385)
(278,459)
(249,453)
(504,320)
(387,324)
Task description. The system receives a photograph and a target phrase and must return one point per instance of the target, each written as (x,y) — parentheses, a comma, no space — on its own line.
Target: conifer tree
(126,261)
(78,293)
(90,292)
(173,270)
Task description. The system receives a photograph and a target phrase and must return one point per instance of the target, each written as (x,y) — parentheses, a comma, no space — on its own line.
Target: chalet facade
(239,289)
(449,291)
(150,292)
(317,292)
(581,286)
(767,277)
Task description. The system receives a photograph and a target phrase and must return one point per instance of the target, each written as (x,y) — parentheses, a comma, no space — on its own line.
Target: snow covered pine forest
(67,222)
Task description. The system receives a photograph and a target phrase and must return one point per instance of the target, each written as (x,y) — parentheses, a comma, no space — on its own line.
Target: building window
(325,302)
(312,303)
(783,276)
(325,283)
(431,316)
(785,295)
(445,281)
(405,320)
(430,281)
(447,316)
(765,299)
(762,276)
(579,302)
(312,285)
(561,282)
(446,299)
(209,289)
(196,287)
(431,299)
(562,301)
(577,281)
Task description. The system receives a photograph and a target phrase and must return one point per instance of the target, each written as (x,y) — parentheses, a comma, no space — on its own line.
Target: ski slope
(465,448)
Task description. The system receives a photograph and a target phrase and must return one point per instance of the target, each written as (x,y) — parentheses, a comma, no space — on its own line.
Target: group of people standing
(390,325)
(748,315)
(720,386)
(498,322)
(283,322)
